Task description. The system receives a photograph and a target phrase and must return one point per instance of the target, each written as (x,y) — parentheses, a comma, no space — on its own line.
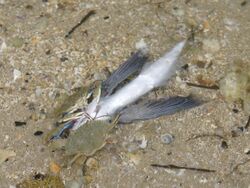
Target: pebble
(3,46)
(38,91)
(142,46)
(247,151)
(167,138)
(143,144)
(54,168)
(178,12)
(92,163)
(16,74)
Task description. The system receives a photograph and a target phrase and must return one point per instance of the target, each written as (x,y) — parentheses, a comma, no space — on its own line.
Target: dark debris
(20,123)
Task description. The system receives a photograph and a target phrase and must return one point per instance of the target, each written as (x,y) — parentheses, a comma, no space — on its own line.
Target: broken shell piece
(236,84)
(16,74)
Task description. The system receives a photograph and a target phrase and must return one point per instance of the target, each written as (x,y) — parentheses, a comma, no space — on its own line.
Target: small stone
(3,46)
(143,144)
(55,168)
(38,91)
(92,163)
(16,74)
(178,12)
(141,45)
(247,151)
(34,117)
(167,138)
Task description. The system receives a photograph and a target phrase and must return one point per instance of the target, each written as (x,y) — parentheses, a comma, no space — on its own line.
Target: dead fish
(102,90)
(112,101)
(152,76)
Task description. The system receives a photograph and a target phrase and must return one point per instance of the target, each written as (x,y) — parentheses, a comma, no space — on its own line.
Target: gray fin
(129,67)
(155,109)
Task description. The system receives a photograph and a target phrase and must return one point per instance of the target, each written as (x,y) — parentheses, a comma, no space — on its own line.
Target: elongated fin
(129,67)
(155,109)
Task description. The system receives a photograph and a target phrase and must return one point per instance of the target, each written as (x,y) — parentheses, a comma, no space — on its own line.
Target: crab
(86,141)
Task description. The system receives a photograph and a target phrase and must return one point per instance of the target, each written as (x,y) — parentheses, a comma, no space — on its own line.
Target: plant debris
(46,181)
(171,166)
(247,124)
(20,123)
(38,133)
(86,17)
(205,135)
(224,144)
(215,87)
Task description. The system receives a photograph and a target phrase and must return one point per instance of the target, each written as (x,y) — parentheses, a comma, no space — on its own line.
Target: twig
(205,135)
(247,124)
(215,87)
(171,166)
(90,13)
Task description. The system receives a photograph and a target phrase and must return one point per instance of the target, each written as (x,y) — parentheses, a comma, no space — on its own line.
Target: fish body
(111,102)
(150,77)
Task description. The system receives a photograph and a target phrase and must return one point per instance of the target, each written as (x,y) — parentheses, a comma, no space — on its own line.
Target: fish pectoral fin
(155,109)
(129,67)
